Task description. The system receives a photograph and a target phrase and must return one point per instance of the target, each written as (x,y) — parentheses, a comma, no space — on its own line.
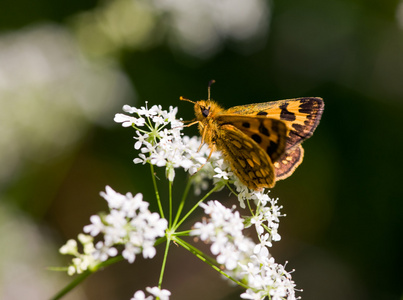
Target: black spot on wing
(263,130)
(285,114)
(261,113)
(307,106)
(311,107)
(299,130)
(272,148)
(246,124)
(257,138)
(274,126)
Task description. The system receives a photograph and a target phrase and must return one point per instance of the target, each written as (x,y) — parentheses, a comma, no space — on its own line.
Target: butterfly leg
(204,132)
(208,158)
(190,124)
(202,141)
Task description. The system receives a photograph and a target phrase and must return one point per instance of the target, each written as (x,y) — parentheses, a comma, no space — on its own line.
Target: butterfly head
(204,108)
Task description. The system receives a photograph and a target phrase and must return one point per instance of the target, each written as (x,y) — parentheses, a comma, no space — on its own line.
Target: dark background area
(343,229)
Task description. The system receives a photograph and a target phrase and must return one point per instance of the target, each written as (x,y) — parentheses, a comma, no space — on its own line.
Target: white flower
(156,226)
(275,236)
(250,294)
(154,110)
(221,174)
(142,160)
(71,270)
(228,256)
(139,295)
(261,197)
(126,121)
(264,242)
(141,139)
(142,111)
(85,240)
(158,159)
(134,204)
(115,200)
(160,293)
(148,249)
(203,230)
(258,220)
(96,227)
(69,248)
(103,252)
(116,228)
(130,252)
(250,269)
(158,120)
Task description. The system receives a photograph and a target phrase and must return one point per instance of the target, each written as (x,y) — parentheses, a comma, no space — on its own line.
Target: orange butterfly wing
(250,145)
(301,115)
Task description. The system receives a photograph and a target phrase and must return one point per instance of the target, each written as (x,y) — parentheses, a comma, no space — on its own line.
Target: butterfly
(260,141)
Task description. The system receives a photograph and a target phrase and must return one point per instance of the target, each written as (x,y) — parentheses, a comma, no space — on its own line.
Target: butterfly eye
(205,111)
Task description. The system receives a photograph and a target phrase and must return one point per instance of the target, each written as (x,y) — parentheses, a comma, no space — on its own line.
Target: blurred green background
(66,67)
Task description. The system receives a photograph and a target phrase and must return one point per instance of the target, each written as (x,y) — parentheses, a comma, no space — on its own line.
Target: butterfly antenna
(209,88)
(185,99)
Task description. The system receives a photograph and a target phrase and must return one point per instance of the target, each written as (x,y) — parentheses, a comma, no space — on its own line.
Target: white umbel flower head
(241,257)
(129,223)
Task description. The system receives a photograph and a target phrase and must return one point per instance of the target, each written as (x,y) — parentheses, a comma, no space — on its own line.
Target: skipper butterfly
(261,141)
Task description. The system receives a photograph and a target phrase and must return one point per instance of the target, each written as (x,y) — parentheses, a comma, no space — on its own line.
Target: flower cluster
(82,261)
(131,227)
(266,278)
(224,231)
(266,220)
(160,142)
(242,258)
(128,223)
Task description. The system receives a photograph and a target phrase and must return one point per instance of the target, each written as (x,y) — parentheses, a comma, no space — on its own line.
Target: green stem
(196,251)
(231,189)
(164,262)
(170,204)
(182,233)
(76,281)
(157,195)
(182,204)
(196,206)
(80,278)
(210,261)
(160,241)
(250,208)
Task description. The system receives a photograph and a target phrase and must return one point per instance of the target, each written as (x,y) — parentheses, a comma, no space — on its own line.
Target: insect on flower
(261,141)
